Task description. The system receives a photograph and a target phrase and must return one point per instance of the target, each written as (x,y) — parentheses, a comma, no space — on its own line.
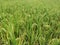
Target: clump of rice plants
(29,22)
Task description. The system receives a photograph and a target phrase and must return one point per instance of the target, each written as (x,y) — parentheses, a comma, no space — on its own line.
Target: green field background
(29,22)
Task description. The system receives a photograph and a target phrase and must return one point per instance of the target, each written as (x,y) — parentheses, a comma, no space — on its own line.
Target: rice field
(29,22)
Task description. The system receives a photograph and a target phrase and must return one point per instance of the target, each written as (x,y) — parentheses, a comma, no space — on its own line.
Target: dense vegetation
(29,22)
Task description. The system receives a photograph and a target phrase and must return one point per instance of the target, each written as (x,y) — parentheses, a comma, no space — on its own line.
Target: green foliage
(29,22)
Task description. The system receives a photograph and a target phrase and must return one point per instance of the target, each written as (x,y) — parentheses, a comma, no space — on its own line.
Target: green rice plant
(29,22)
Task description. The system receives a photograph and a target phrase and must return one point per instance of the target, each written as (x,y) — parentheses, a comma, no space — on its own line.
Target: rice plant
(29,22)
